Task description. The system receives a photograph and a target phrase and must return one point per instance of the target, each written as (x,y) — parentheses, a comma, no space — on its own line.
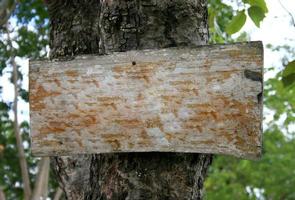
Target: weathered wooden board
(205,99)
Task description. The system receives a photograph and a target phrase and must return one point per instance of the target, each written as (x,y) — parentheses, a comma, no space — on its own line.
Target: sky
(276,29)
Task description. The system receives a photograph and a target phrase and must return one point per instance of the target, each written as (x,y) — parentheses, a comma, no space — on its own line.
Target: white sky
(276,29)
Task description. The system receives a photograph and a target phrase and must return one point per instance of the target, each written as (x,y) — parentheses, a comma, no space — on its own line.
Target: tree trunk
(100,27)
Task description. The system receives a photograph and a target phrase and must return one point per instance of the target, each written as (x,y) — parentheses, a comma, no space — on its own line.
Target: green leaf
(289,69)
(256,14)
(259,3)
(289,74)
(237,23)
(211,18)
(3,106)
(24,94)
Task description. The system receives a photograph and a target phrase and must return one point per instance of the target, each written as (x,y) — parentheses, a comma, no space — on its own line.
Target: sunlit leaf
(256,14)
(237,23)
(259,3)
(289,69)
(288,76)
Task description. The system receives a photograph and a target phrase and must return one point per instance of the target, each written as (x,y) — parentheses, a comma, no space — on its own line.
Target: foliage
(237,23)
(223,19)
(272,177)
(257,14)
(220,15)
(30,38)
(289,74)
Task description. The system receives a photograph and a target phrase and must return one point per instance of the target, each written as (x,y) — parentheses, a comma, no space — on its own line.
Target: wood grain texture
(206,100)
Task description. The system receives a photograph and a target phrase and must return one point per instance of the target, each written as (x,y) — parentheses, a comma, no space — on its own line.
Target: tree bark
(100,27)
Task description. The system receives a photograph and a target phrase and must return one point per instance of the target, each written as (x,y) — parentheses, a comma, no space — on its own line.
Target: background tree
(18,41)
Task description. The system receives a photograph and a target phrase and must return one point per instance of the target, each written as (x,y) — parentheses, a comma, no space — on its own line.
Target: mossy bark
(105,26)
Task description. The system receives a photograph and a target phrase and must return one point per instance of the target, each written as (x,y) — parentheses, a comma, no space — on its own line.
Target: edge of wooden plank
(226,152)
(36,64)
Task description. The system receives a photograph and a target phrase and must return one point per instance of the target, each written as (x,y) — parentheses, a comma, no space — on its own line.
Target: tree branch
(6,9)
(41,184)
(58,194)
(19,142)
(289,13)
(2,195)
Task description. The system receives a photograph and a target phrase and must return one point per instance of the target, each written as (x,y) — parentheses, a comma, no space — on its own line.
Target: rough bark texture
(91,26)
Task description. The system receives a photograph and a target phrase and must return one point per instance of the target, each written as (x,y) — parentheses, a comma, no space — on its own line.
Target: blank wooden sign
(206,100)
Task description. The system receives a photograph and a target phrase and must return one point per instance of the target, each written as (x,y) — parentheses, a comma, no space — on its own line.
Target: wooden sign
(206,100)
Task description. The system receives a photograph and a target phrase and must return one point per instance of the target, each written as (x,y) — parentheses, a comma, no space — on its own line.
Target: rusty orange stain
(226,134)
(110,98)
(40,93)
(58,128)
(57,82)
(88,120)
(227,74)
(169,136)
(53,143)
(145,139)
(130,123)
(200,129)
(186,83)
(207,63)
(79,142)
(209,142)
(173,110)
(72,73)
(240,142)
(198,106)
(168,99)
(154,123)
(222,76)
(215,111)
(113,105)
(125,118)
(37,106)
(233,53)
(73,80)
(140,97)
(196,91)
(114,139)
(110,101)
(96,83)
(73,116)
(139,71)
